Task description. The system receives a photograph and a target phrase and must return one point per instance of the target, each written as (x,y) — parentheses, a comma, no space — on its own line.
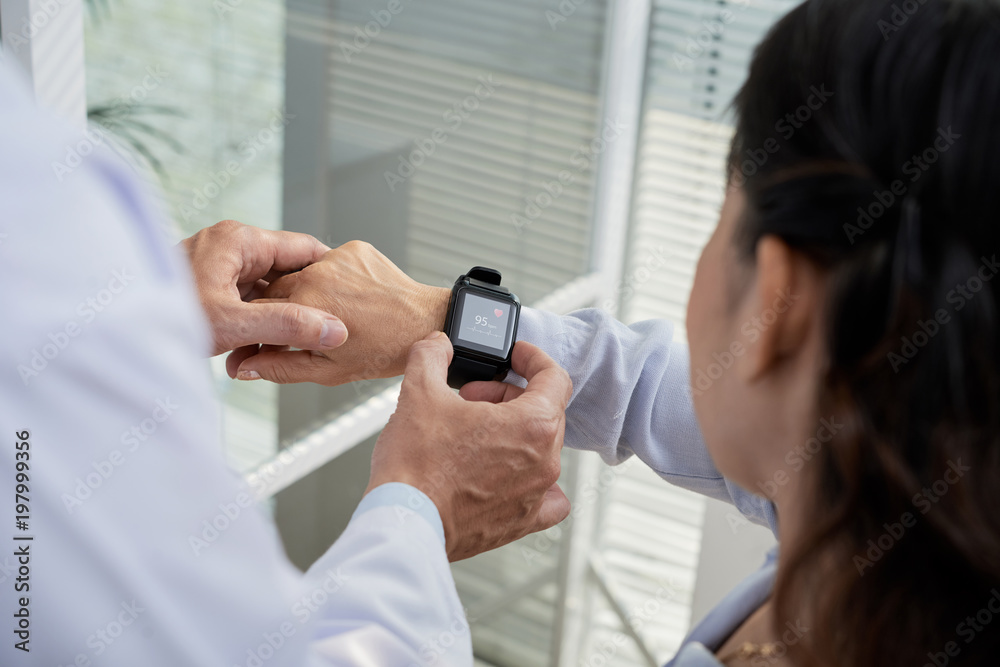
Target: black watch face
(483,322)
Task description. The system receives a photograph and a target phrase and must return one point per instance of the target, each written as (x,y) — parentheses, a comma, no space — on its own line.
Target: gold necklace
(748,651)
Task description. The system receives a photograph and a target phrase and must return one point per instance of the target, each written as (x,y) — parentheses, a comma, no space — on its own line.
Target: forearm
(631,395)
(630,386)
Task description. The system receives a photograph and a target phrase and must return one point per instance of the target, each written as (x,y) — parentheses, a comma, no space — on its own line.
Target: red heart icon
(498,312)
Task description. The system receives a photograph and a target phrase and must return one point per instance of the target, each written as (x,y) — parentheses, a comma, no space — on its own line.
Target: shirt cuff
(537,326)
(397,494)
(543,329)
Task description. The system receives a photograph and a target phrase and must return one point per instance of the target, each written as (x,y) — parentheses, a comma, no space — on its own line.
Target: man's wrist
(435,302)
(428,309)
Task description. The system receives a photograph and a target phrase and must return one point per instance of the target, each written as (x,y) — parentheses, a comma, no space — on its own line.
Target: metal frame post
(623,79)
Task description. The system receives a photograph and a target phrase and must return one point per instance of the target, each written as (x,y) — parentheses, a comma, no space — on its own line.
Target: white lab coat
(146,550)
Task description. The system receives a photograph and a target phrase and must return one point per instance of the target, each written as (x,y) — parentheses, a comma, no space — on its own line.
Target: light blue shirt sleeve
(146,549)
(632,397)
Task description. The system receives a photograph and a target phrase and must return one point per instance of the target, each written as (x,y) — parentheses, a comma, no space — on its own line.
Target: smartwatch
(482,326)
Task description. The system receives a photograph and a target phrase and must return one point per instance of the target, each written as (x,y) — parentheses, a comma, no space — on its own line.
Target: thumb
(427,364)
(285,367)
(555,508)
(286,323)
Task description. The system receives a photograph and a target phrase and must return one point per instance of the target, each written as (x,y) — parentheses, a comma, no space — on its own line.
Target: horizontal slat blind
(543,107)
(698,58)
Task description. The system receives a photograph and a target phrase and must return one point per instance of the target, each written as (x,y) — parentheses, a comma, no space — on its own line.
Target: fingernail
(333,335)
(247,375)
(434,335)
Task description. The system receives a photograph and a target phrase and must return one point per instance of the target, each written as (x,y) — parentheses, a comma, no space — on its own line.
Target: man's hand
(233,264)
(489,463)
(385,310)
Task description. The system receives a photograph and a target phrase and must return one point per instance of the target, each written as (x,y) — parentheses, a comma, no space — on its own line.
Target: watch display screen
(484,321)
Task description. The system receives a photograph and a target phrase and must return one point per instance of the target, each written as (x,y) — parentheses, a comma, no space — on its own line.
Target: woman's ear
(785,301)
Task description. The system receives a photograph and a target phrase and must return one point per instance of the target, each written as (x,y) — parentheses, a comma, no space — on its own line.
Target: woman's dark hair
(868,138)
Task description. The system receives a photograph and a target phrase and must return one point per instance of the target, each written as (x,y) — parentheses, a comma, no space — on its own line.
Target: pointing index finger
(282,251)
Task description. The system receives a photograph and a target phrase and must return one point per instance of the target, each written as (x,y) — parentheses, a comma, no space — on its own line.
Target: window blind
(514,102)
(699,53)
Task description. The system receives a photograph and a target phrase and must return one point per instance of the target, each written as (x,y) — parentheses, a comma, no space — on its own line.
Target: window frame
(47,45)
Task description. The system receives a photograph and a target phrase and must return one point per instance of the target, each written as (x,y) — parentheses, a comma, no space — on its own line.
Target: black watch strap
(463,371)
(489,278)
